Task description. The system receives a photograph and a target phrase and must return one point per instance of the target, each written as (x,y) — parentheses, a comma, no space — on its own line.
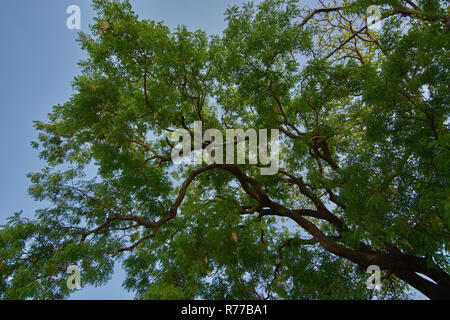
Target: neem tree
(364,160)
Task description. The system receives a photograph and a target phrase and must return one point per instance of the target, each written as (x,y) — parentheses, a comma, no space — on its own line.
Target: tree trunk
(431,290)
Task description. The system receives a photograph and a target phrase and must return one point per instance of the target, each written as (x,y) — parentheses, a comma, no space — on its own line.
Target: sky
(39,57)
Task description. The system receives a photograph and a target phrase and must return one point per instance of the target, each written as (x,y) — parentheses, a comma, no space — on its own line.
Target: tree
(364,161)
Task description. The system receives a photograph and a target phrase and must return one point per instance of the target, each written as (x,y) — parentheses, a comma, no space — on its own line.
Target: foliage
(364,163)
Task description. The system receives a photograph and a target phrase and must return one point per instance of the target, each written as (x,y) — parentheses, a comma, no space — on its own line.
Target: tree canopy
(364,158)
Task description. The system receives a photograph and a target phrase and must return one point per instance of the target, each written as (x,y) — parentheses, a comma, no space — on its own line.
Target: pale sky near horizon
(39,61)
